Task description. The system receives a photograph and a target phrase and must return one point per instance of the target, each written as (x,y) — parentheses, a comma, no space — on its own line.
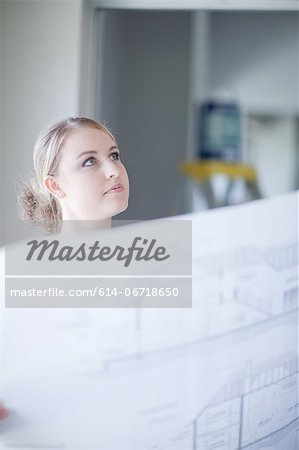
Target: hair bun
(38,208)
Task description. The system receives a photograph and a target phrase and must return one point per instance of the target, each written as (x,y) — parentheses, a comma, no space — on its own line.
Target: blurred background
(202,96)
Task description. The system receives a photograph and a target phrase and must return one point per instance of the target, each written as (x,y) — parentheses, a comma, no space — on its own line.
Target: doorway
(144,71)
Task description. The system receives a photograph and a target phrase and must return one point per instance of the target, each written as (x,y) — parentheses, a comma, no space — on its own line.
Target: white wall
(273,147)
(40,56)
(254,58)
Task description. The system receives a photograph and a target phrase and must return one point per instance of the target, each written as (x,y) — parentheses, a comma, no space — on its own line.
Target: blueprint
(220,375)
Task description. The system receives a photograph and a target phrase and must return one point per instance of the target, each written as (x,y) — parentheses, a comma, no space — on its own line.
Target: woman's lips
(115,190)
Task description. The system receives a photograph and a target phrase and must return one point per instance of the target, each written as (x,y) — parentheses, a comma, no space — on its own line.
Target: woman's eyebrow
(114,147)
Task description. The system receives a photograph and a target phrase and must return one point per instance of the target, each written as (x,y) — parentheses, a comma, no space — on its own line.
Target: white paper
(222,375)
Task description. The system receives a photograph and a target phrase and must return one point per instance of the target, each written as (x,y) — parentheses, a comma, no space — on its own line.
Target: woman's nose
(111,169)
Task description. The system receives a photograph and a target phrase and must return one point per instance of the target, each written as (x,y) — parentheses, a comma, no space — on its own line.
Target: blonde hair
(36,204)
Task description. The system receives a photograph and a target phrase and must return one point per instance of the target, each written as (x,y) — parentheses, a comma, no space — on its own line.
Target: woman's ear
(53,187)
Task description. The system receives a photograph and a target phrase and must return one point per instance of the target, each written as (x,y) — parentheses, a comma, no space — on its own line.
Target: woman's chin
(121,209)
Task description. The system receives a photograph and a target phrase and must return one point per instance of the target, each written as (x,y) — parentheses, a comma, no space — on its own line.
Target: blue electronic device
(219,131)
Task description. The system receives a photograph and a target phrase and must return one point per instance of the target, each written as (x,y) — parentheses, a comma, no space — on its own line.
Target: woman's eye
(86,162)
(116,155)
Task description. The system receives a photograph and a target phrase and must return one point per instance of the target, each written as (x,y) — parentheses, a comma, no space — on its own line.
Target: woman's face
(89,167)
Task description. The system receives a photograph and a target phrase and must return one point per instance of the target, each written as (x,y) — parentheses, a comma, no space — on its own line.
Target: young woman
(78,181)
(78,177)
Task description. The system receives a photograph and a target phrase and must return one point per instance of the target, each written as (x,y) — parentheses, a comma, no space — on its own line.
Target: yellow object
(203,170)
